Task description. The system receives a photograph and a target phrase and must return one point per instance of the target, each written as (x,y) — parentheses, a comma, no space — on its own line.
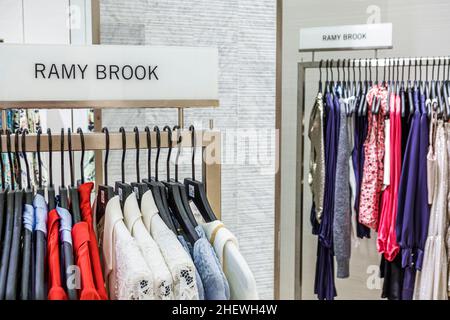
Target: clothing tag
(102,196)
(136,191)
(191,191)
(120,194)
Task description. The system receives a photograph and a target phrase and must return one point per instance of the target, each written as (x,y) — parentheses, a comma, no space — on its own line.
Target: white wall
(419,29)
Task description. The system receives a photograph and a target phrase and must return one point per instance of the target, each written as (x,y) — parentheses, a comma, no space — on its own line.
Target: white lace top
(162,279)
(126,272)
(177,259)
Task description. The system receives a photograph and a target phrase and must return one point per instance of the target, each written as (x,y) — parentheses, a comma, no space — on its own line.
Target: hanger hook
(10,161)
(158,149)
(62,158)
(331,70)
(426,69)
(403,69)
(179,139)
(69,144)
(326,70)
(337,69)
(50,156)
(80,132)
(38,151)
(24,154)
(2,167)
(343,70)
(409,69)
(359,68)
(124,150)
(169,153)
(192,130)
(106,132)
(320,70)
(149,153)
(136,139)
(354,71)
(17,157)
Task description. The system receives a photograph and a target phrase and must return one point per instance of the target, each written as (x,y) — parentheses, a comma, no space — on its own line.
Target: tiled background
(244,32)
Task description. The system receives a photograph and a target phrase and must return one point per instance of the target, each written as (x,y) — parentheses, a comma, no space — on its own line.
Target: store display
(385,158)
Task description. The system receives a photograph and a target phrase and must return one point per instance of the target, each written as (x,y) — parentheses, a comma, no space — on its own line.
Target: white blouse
(240,277)
(177,259)
(162,279)
(126,272)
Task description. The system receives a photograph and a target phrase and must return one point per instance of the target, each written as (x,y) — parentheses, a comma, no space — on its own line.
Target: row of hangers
(436,91)
(171,198)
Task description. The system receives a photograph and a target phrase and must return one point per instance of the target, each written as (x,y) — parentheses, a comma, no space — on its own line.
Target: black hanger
(2,191)
(402,91)
(9,222)
(63,192)
(123,189)
(65,247)
(157,188)
(139,187)
(80,132)
(73,190)
(332,78)
(105,191)
(27,240)
(320,76)
(175,200)
(196,189)
(51,194)
(12,280)
(181,186)
(410,89)
(366,91)
(39,237)
(445,91)
(40,190)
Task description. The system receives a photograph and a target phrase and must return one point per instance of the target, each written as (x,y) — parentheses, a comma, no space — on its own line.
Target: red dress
(56,291)
(84,191)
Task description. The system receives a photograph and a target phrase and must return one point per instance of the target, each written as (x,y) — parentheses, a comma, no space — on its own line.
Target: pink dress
(372,180)
(387,239)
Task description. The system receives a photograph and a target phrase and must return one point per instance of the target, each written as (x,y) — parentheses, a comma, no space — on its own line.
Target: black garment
(392,272)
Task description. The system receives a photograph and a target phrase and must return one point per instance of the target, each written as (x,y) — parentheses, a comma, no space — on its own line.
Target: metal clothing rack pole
(302,67)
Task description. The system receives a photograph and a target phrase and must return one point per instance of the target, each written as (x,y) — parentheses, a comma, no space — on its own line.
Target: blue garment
(188,248)
(40,213)
(65,225)
(28,217)
(214,281)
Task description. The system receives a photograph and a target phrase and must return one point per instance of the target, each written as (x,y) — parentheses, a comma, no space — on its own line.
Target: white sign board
(107,72)
(364,36)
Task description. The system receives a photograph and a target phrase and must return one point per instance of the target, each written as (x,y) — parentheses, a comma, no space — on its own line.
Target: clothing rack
(374,63)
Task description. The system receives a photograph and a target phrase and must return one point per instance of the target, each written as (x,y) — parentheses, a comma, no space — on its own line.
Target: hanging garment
(188,248)
(84,191)
(324,285)
(358,157)
(373,174)
(127,274)
(431,282)
(65,230)
(26,278)
(316,177)
(214,281)
(393,274)
(240,278)
(40,235)
(162,279)
(386,237)
(80,236)
(178,261)
(56,291)
(352,181)
(341,216)
(412,218)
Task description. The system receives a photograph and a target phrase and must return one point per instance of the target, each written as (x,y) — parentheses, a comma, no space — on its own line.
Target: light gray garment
(341,220)
(316,176)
